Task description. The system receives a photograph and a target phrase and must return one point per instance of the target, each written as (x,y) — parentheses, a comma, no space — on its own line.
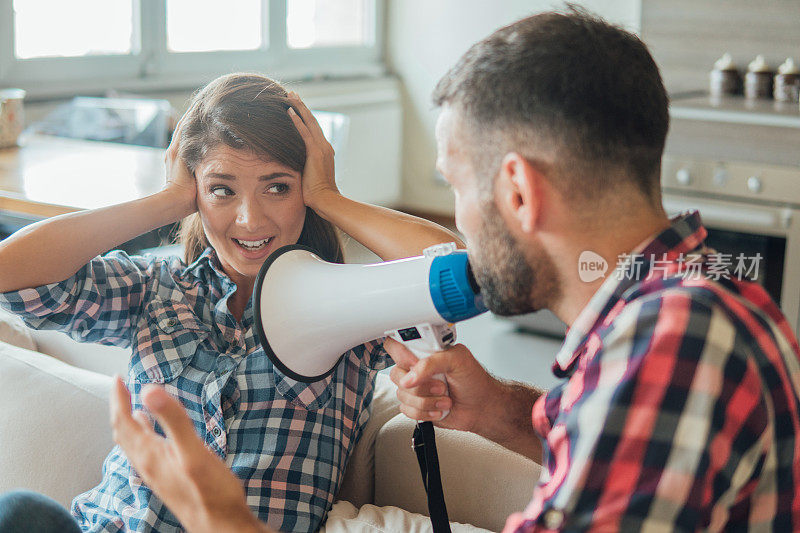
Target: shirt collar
(208,269)
(206,266)
(685,234)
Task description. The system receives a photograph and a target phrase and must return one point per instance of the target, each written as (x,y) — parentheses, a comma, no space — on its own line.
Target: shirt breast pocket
(309,396)
(166,341)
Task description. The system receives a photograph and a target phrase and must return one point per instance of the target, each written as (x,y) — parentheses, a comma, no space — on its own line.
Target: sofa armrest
(483,482)
(54,424)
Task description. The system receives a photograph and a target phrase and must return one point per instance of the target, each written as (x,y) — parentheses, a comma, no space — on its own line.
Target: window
(193,25)
(47,46)
(51,29)
(311,23)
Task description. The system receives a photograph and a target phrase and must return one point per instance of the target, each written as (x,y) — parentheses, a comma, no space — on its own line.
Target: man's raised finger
(173,418)
(120,408)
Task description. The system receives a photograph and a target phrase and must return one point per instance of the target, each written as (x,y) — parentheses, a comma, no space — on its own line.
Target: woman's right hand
(180,180)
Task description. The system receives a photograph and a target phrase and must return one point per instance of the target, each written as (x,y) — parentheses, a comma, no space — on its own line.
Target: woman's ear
(519,191)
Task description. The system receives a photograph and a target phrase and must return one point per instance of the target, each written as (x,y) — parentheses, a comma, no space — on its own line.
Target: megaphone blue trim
(454,291)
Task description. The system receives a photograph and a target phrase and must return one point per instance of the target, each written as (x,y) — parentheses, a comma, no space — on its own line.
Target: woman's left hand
(318,175)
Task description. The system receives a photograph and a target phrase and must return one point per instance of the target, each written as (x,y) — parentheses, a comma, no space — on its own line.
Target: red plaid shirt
(680,411)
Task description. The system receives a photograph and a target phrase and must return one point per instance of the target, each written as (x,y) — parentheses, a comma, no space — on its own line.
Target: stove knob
(721,177)
(754,184)
(786,218)
(683,176)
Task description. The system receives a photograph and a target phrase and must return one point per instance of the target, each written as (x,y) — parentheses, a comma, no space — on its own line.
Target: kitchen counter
(734,129)
(737,110)
(49,176)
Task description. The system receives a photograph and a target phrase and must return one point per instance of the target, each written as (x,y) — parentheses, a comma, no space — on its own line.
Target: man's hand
(497,410)
(422,397)
(194,483)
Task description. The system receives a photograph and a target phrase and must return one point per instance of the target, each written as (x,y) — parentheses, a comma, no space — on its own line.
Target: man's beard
(510,283)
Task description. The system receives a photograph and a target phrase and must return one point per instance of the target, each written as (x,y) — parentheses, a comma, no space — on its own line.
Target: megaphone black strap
(424,444)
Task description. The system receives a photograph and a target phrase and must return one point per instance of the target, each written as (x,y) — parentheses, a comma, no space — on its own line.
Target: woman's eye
(278,188)
(221,192)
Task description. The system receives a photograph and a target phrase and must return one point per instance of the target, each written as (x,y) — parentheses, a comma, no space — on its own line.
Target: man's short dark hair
(590,88)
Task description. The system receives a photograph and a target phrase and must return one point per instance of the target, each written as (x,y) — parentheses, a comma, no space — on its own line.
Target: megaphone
(310,312)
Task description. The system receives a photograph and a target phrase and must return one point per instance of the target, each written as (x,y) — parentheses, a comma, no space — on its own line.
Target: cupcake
(725,78)
(758,80)
(787,82)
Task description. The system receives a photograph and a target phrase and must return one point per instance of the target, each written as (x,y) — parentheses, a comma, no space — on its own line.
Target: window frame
(152,66)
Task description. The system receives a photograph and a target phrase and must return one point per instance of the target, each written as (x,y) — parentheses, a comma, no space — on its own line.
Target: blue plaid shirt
(286,440)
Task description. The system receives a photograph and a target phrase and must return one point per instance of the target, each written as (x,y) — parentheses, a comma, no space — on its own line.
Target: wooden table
(50,176)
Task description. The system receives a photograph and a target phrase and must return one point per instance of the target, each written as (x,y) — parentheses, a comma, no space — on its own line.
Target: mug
(12,116)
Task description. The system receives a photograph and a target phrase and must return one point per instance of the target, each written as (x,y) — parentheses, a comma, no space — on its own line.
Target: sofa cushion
(345,518)
(13,331)
(54,424)
(108,360)
(483,482)
(358,485)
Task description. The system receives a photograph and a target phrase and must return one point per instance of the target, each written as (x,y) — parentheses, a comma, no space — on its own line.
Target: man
(679,405)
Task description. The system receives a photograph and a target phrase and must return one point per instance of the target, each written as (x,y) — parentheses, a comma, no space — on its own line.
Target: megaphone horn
(310,312)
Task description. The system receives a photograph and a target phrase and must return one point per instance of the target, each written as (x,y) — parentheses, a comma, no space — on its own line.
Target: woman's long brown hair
(248,112)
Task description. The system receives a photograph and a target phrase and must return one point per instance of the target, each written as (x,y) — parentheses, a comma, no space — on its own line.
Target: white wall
(426,37)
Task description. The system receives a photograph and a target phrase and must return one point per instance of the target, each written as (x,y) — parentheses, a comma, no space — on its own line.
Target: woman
(249,171)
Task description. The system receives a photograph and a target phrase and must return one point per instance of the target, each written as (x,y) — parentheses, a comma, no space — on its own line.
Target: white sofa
(54,435)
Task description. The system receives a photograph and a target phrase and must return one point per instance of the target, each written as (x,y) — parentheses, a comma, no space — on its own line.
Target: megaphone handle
(424,340)
(431,340)
(441,377)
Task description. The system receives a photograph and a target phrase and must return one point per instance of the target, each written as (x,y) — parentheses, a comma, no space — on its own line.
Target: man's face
(514,279)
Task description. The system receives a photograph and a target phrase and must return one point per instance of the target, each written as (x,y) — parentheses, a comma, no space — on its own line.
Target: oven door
(736,227)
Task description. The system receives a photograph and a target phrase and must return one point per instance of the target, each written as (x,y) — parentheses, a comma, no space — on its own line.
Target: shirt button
(553,519)
(172,322)
(226,365)
(216,432)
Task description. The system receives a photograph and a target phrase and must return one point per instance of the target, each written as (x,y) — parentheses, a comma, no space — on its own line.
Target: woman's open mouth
(253,249)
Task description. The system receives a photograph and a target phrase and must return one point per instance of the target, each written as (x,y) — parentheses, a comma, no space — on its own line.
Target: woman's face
(249,206)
